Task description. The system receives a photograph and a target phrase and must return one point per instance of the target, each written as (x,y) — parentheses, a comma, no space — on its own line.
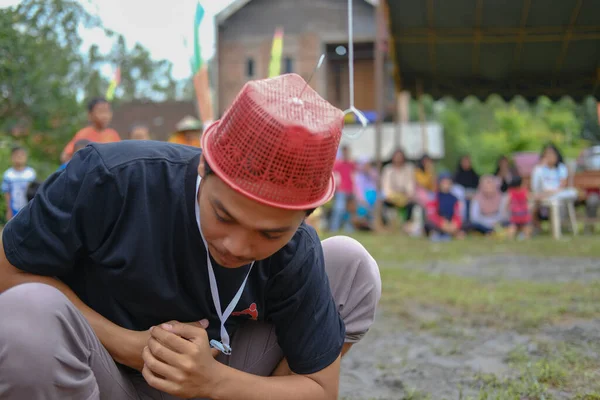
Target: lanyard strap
(224,345)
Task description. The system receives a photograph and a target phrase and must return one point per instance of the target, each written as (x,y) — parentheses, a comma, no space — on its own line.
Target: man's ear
(202,166)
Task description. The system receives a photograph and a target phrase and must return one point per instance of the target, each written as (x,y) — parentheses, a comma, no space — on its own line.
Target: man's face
(101,115)
(239,230)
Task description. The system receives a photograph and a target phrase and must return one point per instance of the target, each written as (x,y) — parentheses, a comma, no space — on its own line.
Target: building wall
(308,26)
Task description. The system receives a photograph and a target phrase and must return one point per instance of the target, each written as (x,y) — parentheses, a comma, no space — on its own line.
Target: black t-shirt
(118,227)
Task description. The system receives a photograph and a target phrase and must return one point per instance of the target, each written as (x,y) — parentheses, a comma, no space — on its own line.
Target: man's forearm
(235,384)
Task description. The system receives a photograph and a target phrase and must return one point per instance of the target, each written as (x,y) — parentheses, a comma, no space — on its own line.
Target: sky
(160,26)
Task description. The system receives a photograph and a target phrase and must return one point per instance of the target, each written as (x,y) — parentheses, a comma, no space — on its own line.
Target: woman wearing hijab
(488,208)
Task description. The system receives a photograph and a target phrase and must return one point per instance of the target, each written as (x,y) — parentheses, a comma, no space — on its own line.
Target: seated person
(358,216)
(518,208)
(487,211)
(549,181)
(443,212)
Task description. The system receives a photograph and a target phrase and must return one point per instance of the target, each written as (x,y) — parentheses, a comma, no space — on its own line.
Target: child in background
(357,216)
(518,209)
(100,116)
(15,182)
(139,132)
(80,144)
(444,212)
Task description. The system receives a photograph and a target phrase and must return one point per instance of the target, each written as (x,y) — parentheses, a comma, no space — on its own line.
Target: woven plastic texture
(277,143)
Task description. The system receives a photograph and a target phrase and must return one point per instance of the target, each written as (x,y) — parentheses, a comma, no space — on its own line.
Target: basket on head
(277,143)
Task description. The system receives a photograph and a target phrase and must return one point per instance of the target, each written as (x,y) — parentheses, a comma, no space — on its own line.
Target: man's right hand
(134,346)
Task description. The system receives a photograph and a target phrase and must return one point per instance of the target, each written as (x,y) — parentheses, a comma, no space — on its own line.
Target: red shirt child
(518,203)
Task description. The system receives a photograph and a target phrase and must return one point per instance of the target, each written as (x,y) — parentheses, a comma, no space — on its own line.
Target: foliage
(46,77)
(495,127)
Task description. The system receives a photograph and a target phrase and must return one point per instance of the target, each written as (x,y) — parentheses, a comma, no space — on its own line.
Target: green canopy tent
(530,48)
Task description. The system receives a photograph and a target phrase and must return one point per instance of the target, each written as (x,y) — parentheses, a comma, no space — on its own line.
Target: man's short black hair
(94,102)
(32,189)
(208,171)
(16,149)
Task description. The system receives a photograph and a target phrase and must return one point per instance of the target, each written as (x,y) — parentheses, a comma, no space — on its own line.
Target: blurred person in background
(467,179)
(518,209)
(139,132)
(549,181)
(99,115)
(444,220)
(426,179)
(188,132)
(344,169)
(505,171)
(398,185)
(488,207)
(365,184)
(15,181)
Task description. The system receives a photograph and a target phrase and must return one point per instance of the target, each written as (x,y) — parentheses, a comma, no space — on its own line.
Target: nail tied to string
(298,100)
(352,109)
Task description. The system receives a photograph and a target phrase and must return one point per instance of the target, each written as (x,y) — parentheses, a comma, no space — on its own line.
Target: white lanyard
(223,345)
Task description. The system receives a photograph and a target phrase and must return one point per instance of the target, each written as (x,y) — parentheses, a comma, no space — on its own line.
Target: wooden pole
(424,138)
(379,101)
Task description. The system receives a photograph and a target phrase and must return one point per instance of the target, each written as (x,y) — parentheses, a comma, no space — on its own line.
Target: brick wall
(308,25)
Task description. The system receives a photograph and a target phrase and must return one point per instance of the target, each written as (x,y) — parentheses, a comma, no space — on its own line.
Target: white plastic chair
(566,198)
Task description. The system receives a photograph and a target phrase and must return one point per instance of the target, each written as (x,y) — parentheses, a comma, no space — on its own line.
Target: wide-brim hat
(188,124)
(277,143)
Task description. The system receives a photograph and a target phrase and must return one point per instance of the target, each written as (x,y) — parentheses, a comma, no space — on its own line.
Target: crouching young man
(155,270)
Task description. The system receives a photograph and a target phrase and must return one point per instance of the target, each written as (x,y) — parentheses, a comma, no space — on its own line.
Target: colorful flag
(110,93)
(197,61)
(200,72)
(277,49)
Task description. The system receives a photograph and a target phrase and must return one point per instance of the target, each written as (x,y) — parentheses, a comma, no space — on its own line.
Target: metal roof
(512,47)
(239,4)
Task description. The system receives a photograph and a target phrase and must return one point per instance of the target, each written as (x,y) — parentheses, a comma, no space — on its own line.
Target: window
(288,65)
(250,67)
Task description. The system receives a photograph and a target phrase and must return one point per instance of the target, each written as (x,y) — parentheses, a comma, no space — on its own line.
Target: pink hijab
(488,195)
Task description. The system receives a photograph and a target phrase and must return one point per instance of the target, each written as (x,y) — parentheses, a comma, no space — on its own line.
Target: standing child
(100,115)
(16,181)
(518,208)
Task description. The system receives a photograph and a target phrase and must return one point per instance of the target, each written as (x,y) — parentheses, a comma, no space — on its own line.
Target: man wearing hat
(188,132)
(152,270)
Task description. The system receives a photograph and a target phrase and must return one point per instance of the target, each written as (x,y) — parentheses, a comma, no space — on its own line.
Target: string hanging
(352,109)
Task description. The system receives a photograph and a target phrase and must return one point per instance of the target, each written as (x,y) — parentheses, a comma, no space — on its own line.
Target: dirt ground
(398,362)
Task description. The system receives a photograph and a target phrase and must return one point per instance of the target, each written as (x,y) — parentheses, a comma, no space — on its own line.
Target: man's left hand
(178,360)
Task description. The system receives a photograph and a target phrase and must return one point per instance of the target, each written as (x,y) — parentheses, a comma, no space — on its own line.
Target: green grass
(402,249)
(510,304)
(513,304)
(443,304)
(562,367)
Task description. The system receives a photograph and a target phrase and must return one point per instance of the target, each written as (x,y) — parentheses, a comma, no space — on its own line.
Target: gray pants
(49,351)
